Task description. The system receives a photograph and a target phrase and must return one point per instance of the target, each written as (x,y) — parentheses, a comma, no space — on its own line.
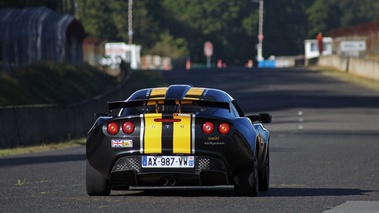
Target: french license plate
(168,161)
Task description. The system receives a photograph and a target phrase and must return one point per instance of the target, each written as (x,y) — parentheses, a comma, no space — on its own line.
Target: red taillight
(208,127)
(113,128)
(128,127)
(224,128)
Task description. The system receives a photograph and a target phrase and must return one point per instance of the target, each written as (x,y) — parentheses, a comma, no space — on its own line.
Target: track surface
(324,154)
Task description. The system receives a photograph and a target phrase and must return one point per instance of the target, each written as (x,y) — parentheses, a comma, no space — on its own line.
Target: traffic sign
(353,46)
(208,49)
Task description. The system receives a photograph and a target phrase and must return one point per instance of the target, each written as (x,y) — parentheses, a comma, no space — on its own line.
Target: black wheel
(246,183)
(96,183)
(264,180)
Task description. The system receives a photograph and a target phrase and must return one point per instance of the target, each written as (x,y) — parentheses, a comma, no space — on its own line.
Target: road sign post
(208,52)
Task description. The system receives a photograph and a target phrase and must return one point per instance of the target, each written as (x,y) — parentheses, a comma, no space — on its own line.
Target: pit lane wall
(282,62)
(43,124)
(357,66)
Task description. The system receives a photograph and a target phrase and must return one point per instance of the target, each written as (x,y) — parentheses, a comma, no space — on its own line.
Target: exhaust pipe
(172,181)
(164,181)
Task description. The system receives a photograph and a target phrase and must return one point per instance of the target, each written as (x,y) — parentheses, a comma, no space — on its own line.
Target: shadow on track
(227,191)
(312,192)
(27,160)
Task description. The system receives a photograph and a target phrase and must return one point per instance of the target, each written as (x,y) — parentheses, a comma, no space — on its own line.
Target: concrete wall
(362,67)
(282,61)
(38,124)
(334,61)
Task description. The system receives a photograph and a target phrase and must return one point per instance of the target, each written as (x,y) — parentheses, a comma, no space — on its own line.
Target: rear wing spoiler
(136,103)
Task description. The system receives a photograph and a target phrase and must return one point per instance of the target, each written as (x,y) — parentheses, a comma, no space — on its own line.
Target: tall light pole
(260,32)
(130,21)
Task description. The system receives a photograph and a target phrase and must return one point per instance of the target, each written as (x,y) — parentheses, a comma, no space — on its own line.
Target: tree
(285,27)
(96,17)
(318,15)
(223,22)
(325,15)
(231,25)
(169,46)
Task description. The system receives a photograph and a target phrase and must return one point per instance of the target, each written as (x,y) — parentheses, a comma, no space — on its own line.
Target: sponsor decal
(182,114)
(214,138)
(121,143)
(211,143)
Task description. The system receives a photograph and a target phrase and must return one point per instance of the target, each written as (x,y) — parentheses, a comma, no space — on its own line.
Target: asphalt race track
(324,154)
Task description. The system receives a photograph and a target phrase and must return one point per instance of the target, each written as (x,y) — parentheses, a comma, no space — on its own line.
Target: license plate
(168,161)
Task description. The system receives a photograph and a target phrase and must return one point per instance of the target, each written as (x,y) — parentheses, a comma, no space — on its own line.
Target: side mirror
(264,118)
(261,118)
(253,118)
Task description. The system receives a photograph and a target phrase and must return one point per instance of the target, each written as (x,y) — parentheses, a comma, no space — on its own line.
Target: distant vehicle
(178,136)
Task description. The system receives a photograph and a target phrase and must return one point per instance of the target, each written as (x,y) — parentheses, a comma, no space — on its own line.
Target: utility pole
(260,32)
(130,21)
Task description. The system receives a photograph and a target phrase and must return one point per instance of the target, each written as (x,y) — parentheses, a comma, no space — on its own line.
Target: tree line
(179,28)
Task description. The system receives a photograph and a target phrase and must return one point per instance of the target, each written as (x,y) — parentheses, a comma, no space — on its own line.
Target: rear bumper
(208,171)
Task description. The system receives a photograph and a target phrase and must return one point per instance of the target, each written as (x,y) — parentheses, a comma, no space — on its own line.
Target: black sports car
(178,136)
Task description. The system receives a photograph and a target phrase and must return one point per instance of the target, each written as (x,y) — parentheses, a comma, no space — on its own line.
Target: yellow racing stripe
(182,134)
(194,92)
(153,134)
(159,91)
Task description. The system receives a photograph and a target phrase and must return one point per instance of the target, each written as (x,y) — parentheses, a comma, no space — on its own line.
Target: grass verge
(348,77)
(42,147)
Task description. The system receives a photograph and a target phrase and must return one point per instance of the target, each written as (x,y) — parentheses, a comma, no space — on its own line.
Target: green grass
(42,147)
(51,83)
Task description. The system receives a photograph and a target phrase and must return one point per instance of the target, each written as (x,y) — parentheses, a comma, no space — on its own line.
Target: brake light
(113,128)
(208,127)
(128,127)
(224,128)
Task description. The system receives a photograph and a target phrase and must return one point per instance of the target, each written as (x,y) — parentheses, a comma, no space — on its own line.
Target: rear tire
(246,182)
(264,180)
(96,183)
